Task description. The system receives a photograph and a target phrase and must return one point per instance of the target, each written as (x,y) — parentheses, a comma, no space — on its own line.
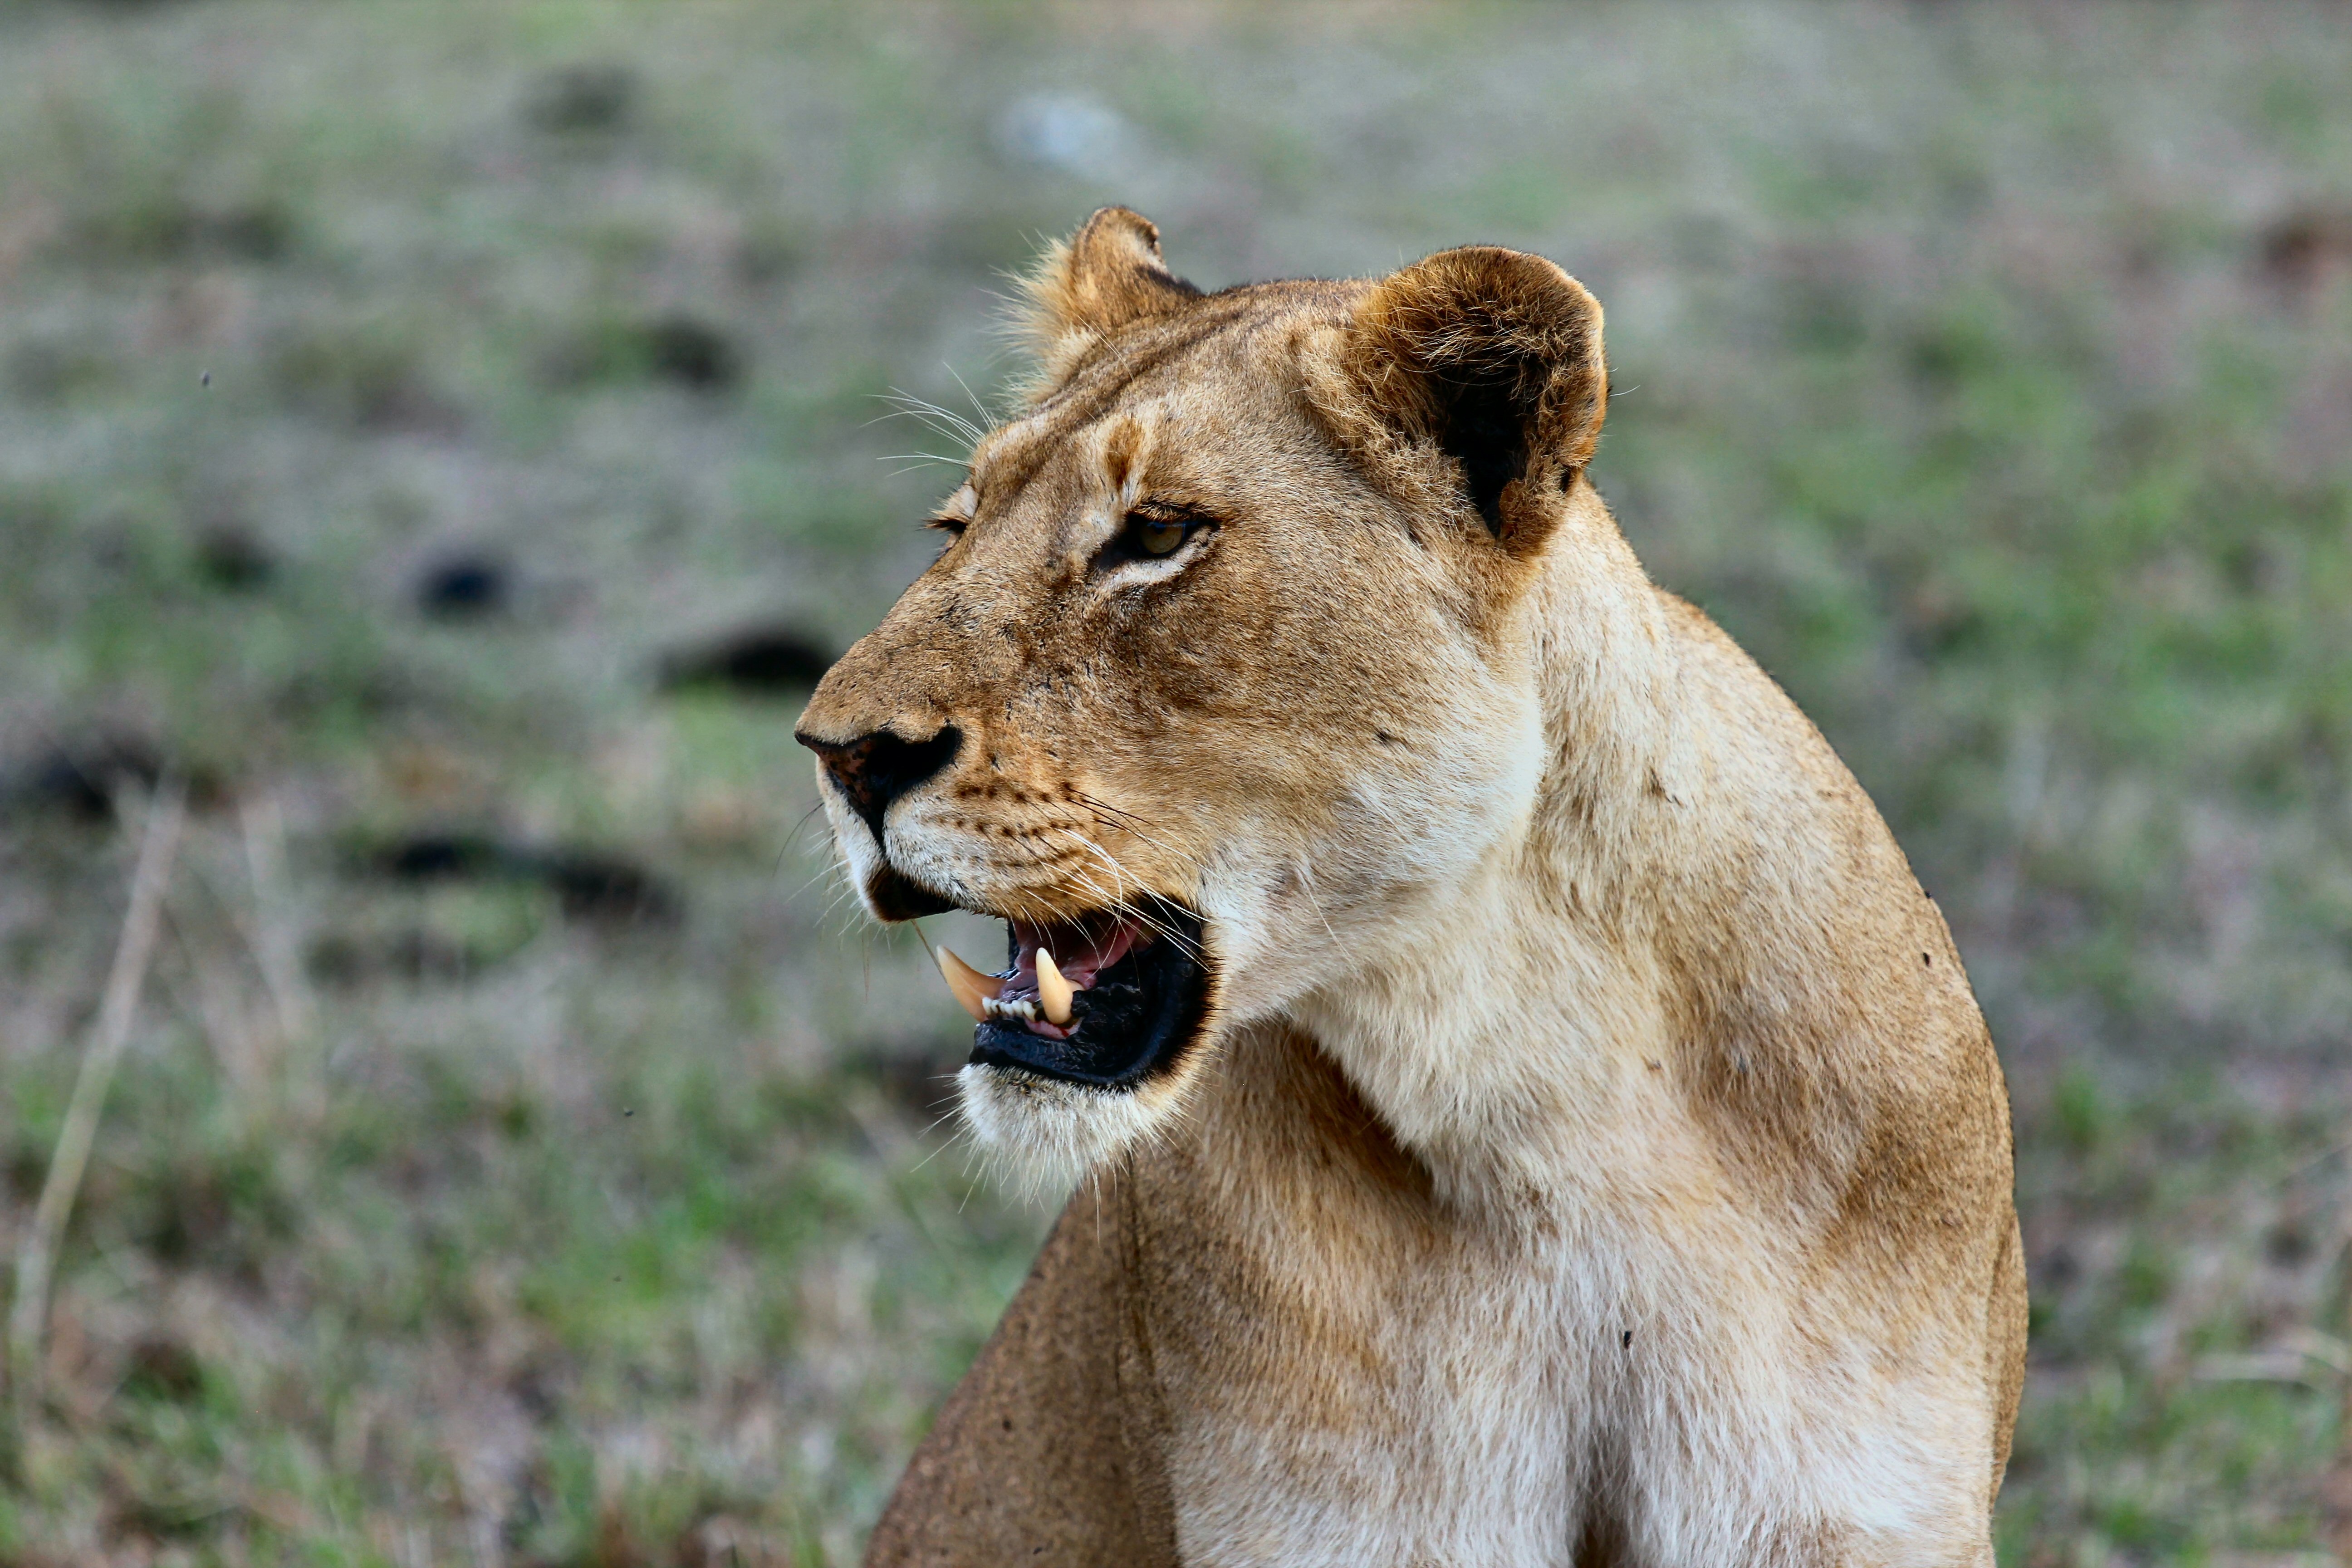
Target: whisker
(950,1114)
(1142,916)
(1110,899)
(932,417)
(792,841)
(945,420)
(1307,882)
(981,408)
(811,879)
(1126,823)
(956,435)
(1116,901)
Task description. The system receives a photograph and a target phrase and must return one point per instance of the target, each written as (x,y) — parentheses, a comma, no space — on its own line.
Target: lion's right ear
(1488,362)
(1107,276)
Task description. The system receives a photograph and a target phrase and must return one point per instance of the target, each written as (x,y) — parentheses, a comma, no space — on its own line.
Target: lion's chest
(1346,1374)
(1450,1437)
(1350,1388)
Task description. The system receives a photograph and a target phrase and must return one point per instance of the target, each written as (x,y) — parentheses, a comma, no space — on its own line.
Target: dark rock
(464,586)
(605,888)
(26,1171)
(692,354)
(444,857)
(234,559)
(162,1367)
(2302,249)
(588,97)
(2289,1243)
(81,780)
(589,884)
(758,661)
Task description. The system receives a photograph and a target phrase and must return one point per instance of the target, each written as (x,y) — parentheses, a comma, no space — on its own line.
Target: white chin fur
(1040,1137)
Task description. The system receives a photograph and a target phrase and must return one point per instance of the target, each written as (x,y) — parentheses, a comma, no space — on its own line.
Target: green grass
(1987,371)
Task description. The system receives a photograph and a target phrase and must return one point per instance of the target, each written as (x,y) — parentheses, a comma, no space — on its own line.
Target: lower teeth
(999,1008)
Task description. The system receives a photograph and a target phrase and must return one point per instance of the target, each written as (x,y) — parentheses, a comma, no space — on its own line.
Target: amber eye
(1154,537)
(1157,528)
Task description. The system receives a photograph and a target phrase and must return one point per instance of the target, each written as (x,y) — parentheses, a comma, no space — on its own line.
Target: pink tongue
(1086,957)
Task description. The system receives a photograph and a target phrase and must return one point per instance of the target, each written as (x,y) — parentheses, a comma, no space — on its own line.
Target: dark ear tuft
(1107,276)
(1494,357)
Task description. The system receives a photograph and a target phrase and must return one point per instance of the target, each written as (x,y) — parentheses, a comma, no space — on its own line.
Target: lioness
(1530,1112)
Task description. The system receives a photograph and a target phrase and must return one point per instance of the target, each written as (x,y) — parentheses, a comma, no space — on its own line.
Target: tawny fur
(1599,1156)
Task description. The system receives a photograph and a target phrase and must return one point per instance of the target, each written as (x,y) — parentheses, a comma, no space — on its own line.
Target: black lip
(898,897)
(1135,1022)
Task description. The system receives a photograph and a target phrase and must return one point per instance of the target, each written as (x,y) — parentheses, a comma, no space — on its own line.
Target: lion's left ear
(1493,358)
(1107,276)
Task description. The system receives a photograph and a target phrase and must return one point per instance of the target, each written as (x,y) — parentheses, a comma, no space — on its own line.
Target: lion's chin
(1082,1043)
(1040,1136)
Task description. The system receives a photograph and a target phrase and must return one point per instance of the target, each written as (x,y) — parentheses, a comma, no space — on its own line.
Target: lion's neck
(1522,1041)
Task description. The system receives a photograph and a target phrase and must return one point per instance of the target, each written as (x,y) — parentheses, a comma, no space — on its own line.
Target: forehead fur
(1227,367)
(1474,377)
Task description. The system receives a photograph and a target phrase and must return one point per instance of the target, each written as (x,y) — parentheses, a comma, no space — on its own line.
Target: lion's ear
(1107,276)
(1493,357)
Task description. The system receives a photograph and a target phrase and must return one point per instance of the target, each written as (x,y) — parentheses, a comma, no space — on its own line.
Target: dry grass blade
(36,1257)
(2335,1485)
(276,941)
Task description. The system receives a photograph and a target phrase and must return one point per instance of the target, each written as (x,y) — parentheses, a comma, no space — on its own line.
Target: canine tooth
(972,988)
(1052,990)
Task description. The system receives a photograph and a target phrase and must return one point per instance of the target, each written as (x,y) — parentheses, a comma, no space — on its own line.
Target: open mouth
(1108,1000)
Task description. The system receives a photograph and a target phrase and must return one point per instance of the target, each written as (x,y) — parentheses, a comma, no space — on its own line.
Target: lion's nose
(875,769)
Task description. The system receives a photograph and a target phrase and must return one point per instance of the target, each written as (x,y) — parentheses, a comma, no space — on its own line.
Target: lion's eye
(1155,538)
(1155,529)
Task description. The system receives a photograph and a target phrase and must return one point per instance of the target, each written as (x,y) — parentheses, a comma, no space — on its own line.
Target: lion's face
(1222,667)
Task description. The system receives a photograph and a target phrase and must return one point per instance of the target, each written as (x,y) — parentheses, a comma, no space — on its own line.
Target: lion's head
(1226,668)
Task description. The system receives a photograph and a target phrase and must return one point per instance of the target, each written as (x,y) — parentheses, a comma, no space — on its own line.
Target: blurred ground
(447,432)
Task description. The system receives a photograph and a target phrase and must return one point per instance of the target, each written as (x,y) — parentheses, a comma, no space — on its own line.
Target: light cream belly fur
(1391,1377)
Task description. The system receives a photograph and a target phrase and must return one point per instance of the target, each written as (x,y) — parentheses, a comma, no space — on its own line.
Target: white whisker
(978,407)
(1128,906)
(946,421)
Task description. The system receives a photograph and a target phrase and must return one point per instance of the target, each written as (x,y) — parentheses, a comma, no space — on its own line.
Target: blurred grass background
(448,433)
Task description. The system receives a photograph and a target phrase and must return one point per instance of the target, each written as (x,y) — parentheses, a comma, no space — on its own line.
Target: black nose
(874,769)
